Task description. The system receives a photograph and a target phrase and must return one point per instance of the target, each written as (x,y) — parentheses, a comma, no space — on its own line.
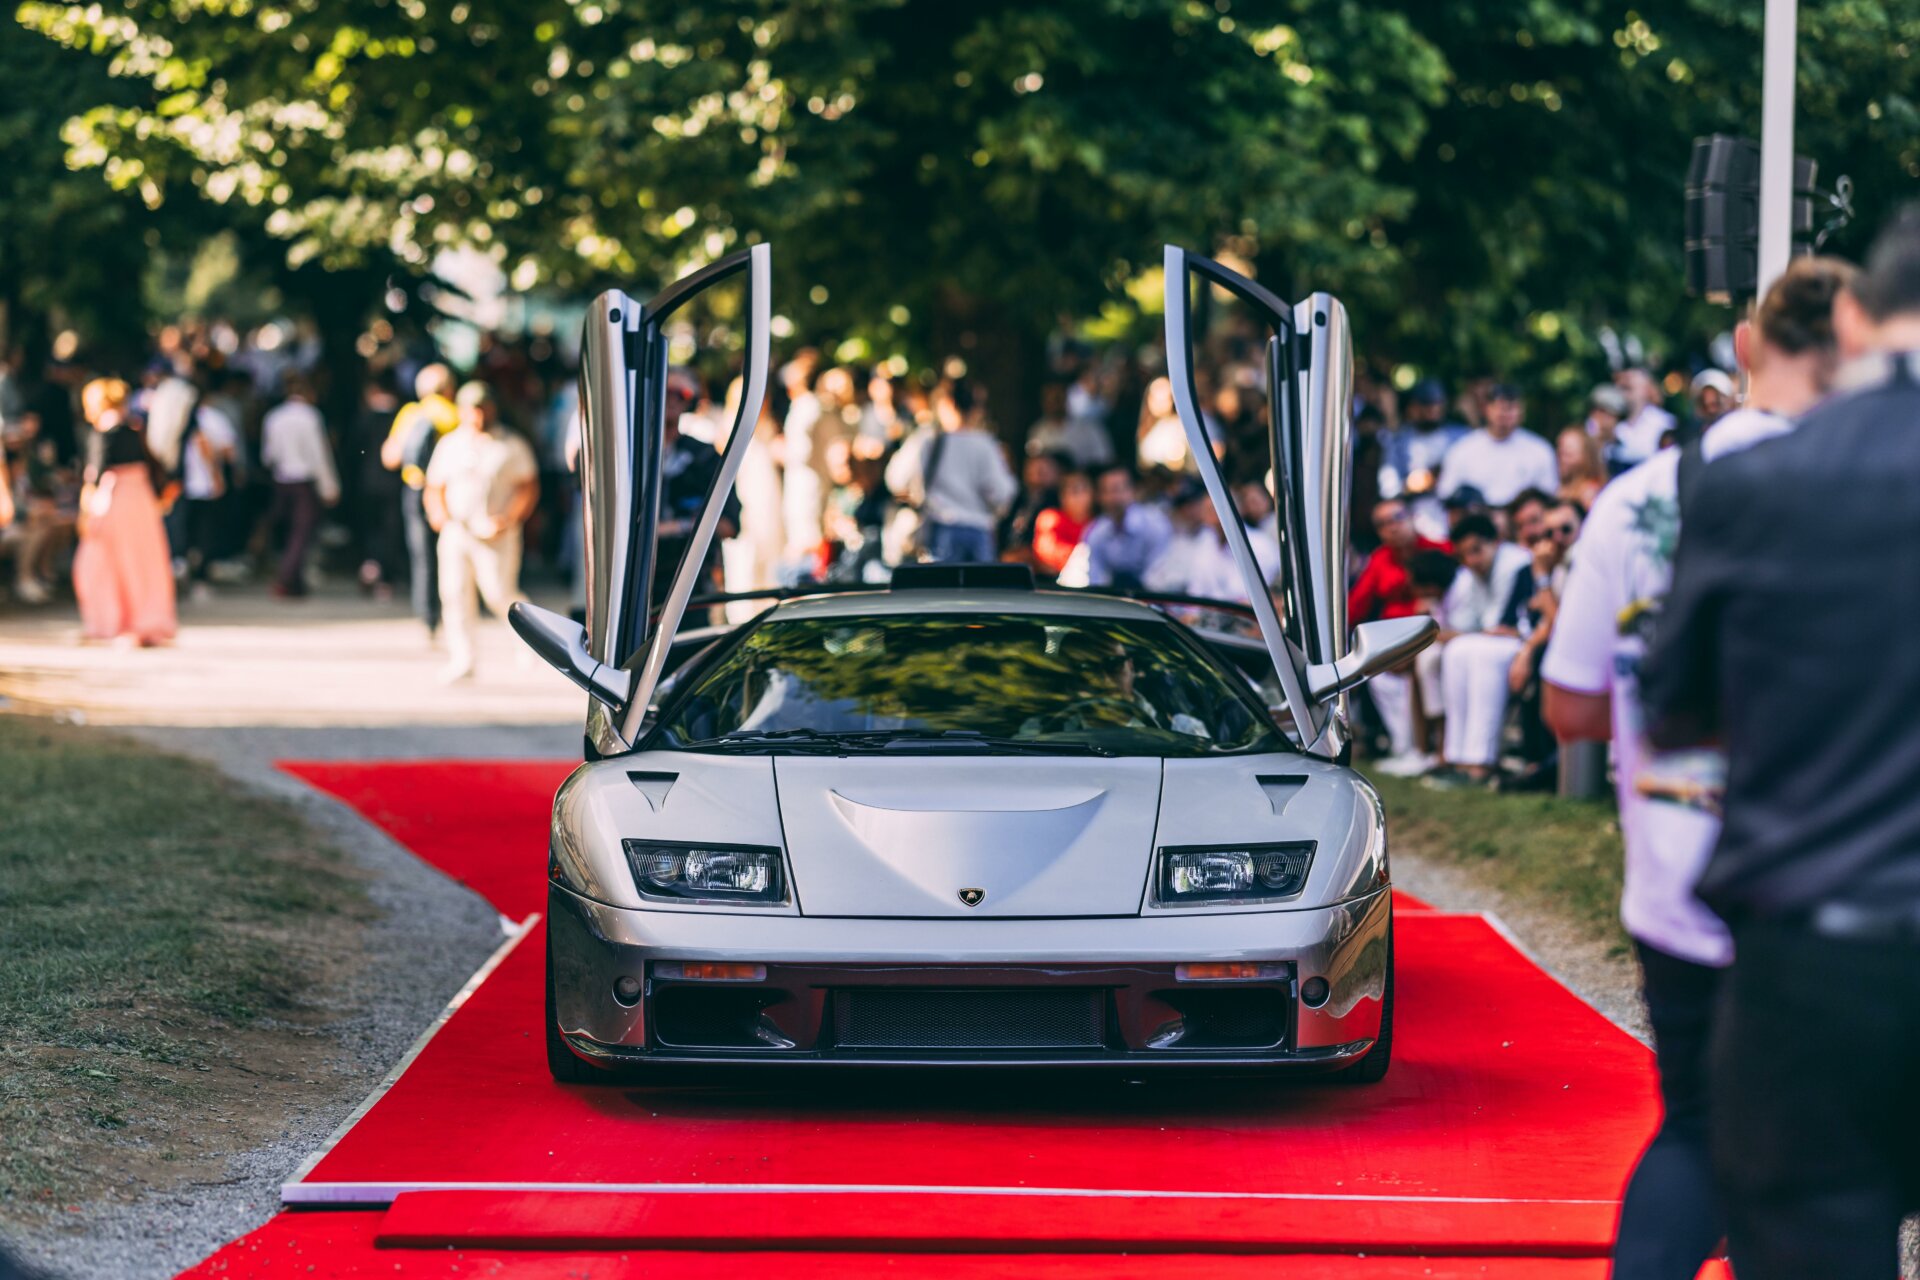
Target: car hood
(909,837)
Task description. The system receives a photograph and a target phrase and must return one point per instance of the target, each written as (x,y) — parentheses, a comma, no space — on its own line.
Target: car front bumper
(1008,992)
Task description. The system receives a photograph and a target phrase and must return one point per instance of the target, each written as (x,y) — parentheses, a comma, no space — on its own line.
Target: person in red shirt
(1385,589)
(1057,530)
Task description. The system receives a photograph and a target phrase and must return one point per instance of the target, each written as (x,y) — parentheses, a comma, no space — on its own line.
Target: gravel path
(429,937)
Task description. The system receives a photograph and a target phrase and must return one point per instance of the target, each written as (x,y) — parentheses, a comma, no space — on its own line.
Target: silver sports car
(957,820)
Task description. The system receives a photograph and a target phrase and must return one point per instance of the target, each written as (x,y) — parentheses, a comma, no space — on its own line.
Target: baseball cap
(1715,378)
(1610,399)
(1504,391)
(1427,391)
(1464,498)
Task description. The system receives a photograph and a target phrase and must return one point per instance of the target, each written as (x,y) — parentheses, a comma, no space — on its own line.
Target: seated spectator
(1461,504)
(1607,408)
(1058,529)
(1501,459)
(1714,396)
(1385,589)
(1530,611)
(1583,472)
(1477,645)
(1520,522)
(1124,539)
(1082,440)
(1648,427)
(1413,453)
(1432,573)
(1196,561)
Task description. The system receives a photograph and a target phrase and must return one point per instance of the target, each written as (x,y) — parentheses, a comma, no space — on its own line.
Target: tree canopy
(1487,182)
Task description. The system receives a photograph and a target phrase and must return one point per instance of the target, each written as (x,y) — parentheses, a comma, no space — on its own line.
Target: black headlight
(733,875)
(1195,875)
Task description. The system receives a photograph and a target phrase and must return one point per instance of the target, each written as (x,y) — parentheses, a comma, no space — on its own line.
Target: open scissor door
(1302,615)
(623,390)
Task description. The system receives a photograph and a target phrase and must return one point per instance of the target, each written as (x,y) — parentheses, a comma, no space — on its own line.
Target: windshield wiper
(800,739)
(931,741)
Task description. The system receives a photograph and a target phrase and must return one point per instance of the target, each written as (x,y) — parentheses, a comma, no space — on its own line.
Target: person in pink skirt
(122,573)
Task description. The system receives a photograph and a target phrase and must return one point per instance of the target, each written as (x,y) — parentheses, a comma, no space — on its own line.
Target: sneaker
(199,593)
(32,591)
(455,672)
(1408,764)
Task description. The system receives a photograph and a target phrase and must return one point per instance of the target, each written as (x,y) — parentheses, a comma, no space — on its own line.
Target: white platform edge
(290,1190)
(383,1193)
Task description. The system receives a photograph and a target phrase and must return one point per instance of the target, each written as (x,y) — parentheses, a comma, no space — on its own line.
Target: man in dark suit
(1792,637)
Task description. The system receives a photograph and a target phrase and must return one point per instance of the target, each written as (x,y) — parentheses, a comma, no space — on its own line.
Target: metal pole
(1776,140)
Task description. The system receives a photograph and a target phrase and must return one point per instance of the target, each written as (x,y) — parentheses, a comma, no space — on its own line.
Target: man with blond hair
(409,445)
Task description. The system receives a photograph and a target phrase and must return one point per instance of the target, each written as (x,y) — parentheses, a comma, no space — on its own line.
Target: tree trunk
(1001,354)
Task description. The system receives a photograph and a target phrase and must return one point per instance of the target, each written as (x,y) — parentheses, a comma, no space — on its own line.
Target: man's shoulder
(1862,408)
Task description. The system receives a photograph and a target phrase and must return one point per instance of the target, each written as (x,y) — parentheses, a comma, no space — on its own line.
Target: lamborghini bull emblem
(973,897)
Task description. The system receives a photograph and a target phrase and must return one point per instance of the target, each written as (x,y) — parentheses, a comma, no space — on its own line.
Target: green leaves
(1456,168)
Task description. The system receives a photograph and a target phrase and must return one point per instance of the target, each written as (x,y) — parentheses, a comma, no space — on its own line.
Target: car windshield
(968,682)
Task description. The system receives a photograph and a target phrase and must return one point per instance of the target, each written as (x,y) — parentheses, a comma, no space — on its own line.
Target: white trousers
(1473,671)
(468,567)
(1393,698)
(1433,694)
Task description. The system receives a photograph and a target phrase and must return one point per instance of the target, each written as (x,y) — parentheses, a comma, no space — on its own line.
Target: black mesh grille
(907,1019)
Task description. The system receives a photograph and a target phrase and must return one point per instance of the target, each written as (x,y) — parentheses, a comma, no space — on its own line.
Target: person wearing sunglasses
(1386,589)
(1530,612)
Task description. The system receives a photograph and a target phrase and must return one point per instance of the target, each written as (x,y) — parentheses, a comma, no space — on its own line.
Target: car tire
(565,1065)
(1372,1069)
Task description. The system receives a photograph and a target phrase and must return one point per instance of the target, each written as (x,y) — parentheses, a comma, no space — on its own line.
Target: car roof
(871,604)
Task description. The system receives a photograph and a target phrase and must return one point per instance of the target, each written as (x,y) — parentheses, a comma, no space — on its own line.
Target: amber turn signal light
(709,971)
(1228,971)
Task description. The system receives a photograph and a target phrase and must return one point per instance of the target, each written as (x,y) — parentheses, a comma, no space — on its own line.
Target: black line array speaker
(1723,216)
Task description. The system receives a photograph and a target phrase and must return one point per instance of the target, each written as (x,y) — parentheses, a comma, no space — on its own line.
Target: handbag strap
(932,466)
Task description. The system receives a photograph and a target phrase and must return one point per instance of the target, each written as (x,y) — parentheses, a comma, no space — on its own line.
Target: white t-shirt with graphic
(1622,570)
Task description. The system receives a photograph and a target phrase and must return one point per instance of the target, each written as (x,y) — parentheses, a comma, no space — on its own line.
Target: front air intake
(969,1020)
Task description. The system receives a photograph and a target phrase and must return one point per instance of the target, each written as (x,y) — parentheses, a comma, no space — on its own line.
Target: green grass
(151,911)
(1562,856)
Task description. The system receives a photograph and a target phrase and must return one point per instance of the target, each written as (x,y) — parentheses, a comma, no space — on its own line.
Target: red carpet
(1497,1147)
(482,822)
(343,1245)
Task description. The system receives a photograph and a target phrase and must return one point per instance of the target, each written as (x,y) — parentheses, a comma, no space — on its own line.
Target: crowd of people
(444,490)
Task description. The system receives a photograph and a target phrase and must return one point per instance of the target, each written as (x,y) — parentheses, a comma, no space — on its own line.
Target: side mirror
(1377,646)
(562,644)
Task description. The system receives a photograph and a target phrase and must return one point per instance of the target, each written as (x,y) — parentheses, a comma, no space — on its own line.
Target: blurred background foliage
(1489,184)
